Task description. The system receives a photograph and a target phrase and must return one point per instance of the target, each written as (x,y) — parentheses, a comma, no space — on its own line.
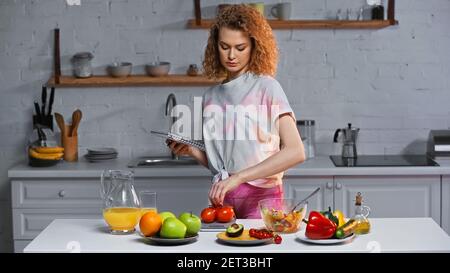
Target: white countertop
(387,235)
(318,166)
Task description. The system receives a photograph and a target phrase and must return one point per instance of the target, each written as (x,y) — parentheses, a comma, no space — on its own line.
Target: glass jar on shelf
(82,67)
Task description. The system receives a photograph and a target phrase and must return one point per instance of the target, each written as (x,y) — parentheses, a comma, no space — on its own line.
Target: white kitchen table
(387,235)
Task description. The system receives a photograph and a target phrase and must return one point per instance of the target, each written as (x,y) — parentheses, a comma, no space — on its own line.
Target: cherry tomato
(277,239)
(208,215)
(224,214)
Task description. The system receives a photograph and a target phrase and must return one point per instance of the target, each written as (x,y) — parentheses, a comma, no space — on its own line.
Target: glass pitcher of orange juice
(121,207)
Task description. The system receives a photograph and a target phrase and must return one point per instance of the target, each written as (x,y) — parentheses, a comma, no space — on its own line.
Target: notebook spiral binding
(169,135)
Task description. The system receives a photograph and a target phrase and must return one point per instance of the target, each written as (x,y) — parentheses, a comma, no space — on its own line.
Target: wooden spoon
(76,118)
(61,124)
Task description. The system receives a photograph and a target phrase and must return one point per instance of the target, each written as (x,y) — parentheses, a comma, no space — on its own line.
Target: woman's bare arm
(291,153)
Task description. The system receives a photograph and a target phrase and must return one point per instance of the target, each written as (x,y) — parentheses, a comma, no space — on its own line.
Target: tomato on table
(224,214)
(208,215)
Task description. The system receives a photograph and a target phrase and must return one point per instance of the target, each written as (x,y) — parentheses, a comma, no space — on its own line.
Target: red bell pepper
(319,227)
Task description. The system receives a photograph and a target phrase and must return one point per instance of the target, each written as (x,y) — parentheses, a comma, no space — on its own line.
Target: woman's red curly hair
(247,19)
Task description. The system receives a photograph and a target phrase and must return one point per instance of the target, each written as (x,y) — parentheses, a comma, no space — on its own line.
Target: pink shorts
(245,199)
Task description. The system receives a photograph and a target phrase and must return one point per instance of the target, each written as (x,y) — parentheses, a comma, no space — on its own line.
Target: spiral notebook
(169,135)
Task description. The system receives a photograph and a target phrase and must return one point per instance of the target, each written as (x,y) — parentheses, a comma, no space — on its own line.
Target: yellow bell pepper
(340,215)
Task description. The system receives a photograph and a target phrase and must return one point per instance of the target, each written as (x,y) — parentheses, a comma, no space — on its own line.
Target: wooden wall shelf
(199,23)
(136,80)
(310,24)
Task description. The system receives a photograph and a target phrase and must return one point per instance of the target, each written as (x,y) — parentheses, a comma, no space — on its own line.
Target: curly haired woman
(248,125)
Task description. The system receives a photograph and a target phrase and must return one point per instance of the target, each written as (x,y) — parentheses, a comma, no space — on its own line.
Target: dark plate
(94,159)
(165,241)
(101,157)
(35,162)
(102,151)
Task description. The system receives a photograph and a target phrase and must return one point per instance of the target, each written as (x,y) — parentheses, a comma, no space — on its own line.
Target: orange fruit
(150,223)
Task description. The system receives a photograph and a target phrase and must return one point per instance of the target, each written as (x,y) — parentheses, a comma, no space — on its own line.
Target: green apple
(173,228)
(192,222)
(166,214)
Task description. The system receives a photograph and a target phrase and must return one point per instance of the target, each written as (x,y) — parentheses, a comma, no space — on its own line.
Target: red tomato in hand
(208,215)
(224,214)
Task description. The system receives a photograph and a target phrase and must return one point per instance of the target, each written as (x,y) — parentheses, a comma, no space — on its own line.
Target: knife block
(70,144)
(46,121)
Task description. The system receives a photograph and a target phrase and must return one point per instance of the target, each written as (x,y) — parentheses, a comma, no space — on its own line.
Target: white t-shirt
(239,125)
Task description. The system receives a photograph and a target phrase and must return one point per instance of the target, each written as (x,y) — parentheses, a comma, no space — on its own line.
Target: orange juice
(122,218)
(145,210)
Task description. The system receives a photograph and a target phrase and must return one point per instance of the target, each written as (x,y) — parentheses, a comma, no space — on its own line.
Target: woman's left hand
(219,189)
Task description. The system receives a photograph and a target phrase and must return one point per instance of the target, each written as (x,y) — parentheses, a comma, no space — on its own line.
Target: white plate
(302,237)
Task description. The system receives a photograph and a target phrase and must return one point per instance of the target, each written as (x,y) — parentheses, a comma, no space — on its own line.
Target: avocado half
(235,230)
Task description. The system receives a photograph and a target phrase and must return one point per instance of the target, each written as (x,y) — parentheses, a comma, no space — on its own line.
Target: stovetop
(383,161)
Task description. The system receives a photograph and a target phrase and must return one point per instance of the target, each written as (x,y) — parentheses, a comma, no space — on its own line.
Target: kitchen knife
(44,100)
(50,102)
(38,111)
(42,136)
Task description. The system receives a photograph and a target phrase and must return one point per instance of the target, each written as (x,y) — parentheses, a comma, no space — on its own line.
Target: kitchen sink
(152,161)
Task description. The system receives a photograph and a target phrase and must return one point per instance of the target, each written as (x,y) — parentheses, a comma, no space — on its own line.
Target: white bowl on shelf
(158,69)
(120,69)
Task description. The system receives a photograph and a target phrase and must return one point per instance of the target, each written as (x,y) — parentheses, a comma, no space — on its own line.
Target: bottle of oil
(360,217)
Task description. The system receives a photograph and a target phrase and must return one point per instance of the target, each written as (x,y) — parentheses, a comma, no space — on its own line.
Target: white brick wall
(393,83)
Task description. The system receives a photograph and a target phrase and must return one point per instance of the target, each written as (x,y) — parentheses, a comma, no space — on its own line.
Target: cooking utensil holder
(70,144)
(46,121)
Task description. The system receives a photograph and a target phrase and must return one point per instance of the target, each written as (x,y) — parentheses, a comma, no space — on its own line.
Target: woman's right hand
(185,149)
(180,149)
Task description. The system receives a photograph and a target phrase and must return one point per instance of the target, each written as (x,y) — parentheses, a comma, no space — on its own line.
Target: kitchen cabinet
(446,203)
(28,223)
(36,202)
(178,194)
(390,196)
(298,187)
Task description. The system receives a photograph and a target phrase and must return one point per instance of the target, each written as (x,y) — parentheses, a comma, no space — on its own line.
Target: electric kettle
(350,135)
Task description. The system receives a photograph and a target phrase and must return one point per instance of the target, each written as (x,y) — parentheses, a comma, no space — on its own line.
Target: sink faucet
(171,98)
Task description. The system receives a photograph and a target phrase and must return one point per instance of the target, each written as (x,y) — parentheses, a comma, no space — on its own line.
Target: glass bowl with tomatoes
(279,214)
